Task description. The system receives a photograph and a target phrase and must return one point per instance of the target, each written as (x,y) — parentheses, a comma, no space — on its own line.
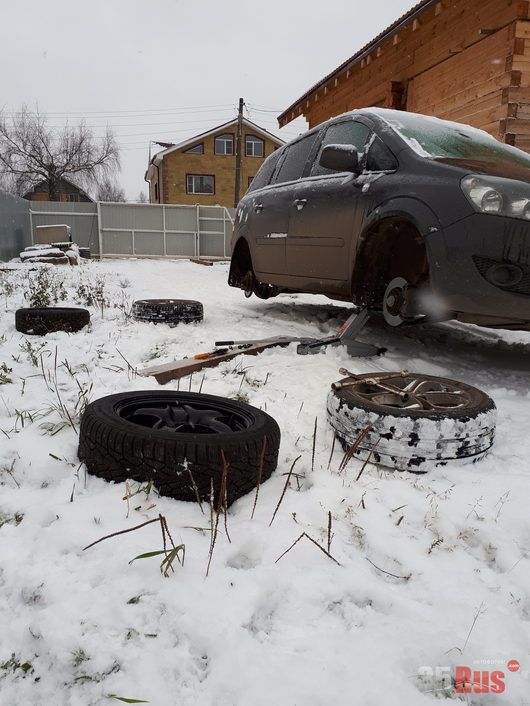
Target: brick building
(202,170)
(461,60)
(66,191)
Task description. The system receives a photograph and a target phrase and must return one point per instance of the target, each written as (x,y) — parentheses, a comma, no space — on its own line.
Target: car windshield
(440,139)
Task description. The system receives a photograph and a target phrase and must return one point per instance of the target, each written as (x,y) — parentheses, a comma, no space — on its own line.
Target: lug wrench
(373,381)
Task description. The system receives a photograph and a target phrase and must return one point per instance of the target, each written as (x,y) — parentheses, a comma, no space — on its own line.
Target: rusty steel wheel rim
(414,392)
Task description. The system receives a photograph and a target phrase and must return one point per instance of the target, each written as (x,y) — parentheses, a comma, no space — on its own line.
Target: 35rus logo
(467,680)
(478,682)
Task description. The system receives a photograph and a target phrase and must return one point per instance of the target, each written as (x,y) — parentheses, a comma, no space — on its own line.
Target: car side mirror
(340,158)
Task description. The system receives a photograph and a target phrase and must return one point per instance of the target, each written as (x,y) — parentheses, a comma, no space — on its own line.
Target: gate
(141,230)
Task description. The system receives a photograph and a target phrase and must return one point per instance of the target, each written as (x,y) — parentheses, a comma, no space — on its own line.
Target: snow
(439,135)
(400,120)
(301,630)
(43,252)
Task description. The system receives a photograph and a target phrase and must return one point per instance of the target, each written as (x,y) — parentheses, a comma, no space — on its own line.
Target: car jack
(345,336)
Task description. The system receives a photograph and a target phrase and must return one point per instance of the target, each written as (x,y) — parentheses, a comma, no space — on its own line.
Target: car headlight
(491,202)
(498,196)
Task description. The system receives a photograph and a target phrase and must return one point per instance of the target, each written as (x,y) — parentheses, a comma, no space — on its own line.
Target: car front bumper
(463,258)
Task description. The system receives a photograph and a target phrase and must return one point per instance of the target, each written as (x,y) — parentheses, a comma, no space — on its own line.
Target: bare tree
(13,184)
(31,151)
(109,191)
(141,198)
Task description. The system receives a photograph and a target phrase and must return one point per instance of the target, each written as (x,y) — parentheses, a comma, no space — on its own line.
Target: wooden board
(186,366)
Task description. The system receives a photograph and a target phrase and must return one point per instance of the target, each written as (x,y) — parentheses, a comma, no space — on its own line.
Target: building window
(200,184)
(224,144)
(250,180)
(254,146)
(72,197)
(198,149)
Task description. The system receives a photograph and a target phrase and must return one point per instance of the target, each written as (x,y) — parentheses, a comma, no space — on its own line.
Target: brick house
(66,191)
(202,169)
(461,60)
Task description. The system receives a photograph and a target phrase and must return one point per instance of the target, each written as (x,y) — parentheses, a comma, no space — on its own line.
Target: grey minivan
(423,218)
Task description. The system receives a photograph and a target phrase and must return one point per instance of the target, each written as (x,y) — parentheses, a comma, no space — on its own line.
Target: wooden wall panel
(517,125)
(456,61)
(463,73)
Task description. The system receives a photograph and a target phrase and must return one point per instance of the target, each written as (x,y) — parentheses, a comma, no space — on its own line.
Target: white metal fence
(81,217)
(15,233)
(151,230)
(141,230)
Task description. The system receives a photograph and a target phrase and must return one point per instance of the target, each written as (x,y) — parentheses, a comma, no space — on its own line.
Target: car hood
(499,169)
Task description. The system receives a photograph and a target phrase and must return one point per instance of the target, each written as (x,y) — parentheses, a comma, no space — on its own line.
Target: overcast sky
(170,69)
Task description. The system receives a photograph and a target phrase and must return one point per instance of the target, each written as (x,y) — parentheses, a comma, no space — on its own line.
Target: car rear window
(264,174)
(295,160)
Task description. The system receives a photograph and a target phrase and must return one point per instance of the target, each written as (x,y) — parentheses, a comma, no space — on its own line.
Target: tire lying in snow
(178,440)
(40,321)
(168,311)
(417,421)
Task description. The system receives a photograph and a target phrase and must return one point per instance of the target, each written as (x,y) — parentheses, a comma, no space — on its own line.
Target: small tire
(178,439)
(168,311)
(459,428)
(40,321)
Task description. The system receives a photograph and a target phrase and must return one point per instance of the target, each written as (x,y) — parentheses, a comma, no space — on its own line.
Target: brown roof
(388,32)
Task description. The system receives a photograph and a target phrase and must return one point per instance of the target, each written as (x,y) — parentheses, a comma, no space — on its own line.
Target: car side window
(295,160)
(347,132)
(380,158)
(264,174)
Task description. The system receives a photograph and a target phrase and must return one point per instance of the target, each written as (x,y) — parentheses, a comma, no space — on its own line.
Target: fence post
(164,228)
(31,225)
(226,214)
(198,237)
(100,231)
(224,232)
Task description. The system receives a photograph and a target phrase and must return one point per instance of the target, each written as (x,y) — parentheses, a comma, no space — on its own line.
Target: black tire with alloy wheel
(415,422)
(180,441)
(43,320)
(168,311)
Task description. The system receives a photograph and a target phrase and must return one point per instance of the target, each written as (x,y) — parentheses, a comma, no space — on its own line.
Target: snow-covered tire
(40,321)
(407,435)
(168,311)
(178,439)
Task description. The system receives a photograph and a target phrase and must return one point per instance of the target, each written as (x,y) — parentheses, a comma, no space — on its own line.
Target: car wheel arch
(401,240)
(409,209)
(241,260)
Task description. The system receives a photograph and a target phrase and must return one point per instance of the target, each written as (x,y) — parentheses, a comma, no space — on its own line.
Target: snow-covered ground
(80,626)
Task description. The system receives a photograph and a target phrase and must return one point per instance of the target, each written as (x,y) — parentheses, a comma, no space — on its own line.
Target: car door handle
(258,207)
(300,203)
